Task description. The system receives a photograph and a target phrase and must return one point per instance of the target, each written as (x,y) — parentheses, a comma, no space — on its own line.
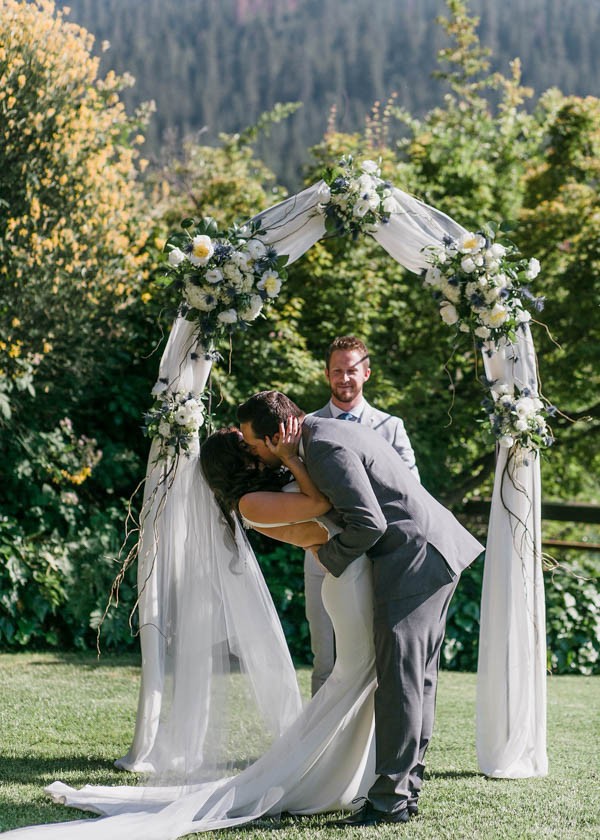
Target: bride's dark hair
(231,470)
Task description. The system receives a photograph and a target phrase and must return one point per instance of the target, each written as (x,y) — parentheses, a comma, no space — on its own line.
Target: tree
(71,249)
(72,271)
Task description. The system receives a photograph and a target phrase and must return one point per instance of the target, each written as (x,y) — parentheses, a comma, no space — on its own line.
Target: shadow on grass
(89,661)
(32,771)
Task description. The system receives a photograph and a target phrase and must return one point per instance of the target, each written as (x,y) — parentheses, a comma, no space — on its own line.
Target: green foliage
(573,618)
(572,595)
(460,649)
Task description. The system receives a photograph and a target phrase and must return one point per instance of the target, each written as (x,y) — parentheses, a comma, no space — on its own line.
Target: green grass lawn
(69,716)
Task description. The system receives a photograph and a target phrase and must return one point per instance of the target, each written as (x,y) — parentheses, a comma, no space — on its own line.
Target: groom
(418,550)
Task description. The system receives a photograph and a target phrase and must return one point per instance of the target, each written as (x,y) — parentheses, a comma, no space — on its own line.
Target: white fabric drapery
(511,669)
(203,607)
(511,672)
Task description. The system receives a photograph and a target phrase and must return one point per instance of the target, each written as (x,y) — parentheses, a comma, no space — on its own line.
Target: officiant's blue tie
(346,415)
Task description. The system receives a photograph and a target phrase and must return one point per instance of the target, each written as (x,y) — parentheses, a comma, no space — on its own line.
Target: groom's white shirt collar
(356,411)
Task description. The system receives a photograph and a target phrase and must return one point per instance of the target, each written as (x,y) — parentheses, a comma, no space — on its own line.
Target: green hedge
(53,592)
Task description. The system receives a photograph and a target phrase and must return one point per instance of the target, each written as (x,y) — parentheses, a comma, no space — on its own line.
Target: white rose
(365,184)
(253,310)
(448,313)
(176,257)
(506,441)
(491,265)
(495,316)
(228,316)
(482,332)
(361,208)
(270,282)
(215,275)
(451,292)
(470,243)
(522,316)
(372,199)
(521,425)
(433,276)
(525,407)
(182,416)
(202,250)
(164,428)
(241,259)
(370,166)
(324,194)
(195,412)
(497,250)
(464,327)
(256,249)
(533,269)
(467,265)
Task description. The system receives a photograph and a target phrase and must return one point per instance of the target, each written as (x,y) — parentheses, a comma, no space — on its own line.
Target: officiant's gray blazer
(389,427)
(383,511)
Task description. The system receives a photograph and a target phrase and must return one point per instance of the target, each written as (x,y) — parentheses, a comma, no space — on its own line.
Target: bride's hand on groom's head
(284,444)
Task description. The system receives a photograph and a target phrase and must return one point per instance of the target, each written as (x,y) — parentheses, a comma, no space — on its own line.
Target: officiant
(347,369)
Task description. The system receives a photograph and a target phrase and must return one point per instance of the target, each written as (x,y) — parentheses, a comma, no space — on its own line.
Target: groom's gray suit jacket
(389,427)
(383,511)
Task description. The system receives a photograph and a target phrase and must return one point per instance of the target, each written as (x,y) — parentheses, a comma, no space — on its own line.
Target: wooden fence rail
(556,511)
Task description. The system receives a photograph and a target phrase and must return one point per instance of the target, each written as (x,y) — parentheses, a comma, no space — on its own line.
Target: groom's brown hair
(266,410)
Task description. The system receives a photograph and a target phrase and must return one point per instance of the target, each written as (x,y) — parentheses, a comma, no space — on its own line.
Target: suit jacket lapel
(367,417)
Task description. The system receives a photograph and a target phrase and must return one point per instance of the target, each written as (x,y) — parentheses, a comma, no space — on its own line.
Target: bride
(326,758)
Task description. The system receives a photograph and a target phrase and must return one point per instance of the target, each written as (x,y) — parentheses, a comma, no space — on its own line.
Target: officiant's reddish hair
(347,342)
(266,410)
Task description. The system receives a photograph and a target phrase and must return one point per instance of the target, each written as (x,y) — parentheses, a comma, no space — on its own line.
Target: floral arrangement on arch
(225,278)
(356,201)
(517,416)
(481,285)
(174,420)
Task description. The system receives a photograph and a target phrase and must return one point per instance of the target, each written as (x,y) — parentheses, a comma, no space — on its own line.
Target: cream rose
(448,313)
(202,250)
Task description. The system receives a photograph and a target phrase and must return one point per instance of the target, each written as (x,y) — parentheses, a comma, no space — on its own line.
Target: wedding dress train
(321,763)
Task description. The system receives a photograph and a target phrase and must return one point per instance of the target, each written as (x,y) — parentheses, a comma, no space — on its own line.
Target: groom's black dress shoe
(368,815)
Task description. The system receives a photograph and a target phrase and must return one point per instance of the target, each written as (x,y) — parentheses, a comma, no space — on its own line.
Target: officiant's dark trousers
(409,633)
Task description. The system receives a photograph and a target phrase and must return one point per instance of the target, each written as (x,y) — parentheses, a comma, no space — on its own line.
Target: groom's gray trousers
(418,550)
(409,633)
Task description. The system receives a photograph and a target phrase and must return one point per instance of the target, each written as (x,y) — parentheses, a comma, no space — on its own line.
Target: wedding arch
(226,280)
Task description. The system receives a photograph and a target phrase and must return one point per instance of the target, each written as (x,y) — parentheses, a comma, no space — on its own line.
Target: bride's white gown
(321,763)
